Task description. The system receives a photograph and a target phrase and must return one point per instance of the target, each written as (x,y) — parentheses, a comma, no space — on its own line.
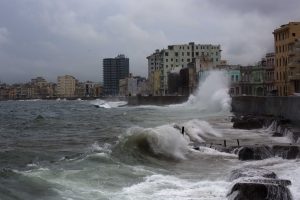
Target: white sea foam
(198,130)
(170,187)
(212,152)
(108,104)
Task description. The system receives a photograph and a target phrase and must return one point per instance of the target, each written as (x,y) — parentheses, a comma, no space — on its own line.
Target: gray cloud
(54,37)
(3,36)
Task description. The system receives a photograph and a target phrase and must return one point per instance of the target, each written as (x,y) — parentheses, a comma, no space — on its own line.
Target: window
(232,78)
(176,53)
(176,60)
(182,53)
(237,89)
(166,54)
(188,60)
(182,60)
(197,53)
(188,53)
(171,59)
(294,34)
(236,78)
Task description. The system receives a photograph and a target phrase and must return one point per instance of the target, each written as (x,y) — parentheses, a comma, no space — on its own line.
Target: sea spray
(162,141)
(198,131)
(107,104)
(212,93)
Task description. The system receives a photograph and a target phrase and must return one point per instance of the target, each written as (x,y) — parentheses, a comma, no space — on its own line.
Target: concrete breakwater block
(259,191)
(264,152)
(248,122)
(287,152)
(251,172)
(255,152)
(258,184)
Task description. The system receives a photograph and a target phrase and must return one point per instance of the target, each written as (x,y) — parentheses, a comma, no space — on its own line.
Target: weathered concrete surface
(258,184)
(259,191)
(287,107)
(156,100)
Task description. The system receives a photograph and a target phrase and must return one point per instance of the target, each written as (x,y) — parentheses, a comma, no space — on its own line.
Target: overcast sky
(57,37)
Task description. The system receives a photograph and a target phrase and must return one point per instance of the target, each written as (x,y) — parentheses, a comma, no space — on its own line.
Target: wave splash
(107,104)
(163,141)
(212,93)
(166,141)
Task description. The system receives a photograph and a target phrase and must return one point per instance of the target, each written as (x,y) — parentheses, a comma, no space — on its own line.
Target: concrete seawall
(287,107)
(156,100)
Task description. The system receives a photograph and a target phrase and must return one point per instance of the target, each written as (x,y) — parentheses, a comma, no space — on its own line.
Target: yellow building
(155,82)
(284,38)
(294,69)
(66,86)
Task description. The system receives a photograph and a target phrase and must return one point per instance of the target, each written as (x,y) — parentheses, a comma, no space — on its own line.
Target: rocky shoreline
(258,183)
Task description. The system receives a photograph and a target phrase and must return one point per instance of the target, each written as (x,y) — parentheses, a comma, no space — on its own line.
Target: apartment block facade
(114,69)
(285,38)
(176,57)
(66,86)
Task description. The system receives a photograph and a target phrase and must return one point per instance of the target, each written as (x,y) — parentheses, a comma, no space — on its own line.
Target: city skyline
(51,38)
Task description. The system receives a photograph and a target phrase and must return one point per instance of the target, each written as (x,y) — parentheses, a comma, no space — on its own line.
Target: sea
(107,150)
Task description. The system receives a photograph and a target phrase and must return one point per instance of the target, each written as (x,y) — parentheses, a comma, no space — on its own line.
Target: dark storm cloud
(55,37)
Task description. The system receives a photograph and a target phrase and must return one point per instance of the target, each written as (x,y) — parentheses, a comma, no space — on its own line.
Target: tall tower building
(114,69)
(285,38)
(176,57)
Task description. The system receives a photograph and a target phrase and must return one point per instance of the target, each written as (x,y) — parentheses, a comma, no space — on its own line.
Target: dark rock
(248,122)
(259,191)
(296,136)
(255,153)
(283,121)
(276,134)
(287,152)
(258,184)
(251,172)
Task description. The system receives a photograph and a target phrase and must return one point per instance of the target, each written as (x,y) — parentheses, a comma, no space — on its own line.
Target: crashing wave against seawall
(212,93)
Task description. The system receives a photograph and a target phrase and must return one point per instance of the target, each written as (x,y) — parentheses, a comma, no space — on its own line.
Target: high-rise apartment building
(284,38)
(176,57)
(114,69)
(66,86)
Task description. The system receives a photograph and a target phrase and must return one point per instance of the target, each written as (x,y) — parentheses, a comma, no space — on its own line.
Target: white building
(177,57)
(66,86)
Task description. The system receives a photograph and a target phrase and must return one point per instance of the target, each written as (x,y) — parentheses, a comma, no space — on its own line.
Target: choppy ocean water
(74,150)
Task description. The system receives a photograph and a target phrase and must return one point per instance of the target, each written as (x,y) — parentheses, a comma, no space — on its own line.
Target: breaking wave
(163,141)
(166,141)
(107,104)
(212,93)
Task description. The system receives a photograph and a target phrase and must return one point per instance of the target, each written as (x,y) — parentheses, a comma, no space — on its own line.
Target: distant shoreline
(69,98)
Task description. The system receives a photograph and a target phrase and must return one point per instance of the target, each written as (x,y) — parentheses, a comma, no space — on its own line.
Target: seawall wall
(156,100)
(287,107)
